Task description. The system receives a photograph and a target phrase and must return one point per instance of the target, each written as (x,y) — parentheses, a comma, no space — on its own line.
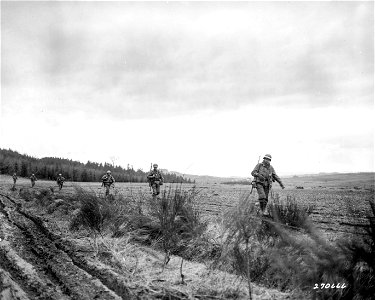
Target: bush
(310,259)
(246,238)
(179,222)
(26,194)
(43,197)
(289,212)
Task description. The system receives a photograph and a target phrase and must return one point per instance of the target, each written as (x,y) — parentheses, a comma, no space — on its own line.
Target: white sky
(199,88)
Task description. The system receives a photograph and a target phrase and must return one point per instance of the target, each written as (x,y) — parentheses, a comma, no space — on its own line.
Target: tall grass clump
(245,241)
(289,212)
(26,194)
(43,198)
(180,222)
(314,264)
(96,214)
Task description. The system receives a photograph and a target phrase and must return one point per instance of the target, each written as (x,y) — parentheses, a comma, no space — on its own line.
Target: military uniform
(156,180)
(14,178)
(264,174)
(107,181)
(33,179)
(60,181)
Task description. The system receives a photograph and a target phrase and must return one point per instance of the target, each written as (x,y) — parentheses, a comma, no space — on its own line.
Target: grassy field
(340,200)
(340,208)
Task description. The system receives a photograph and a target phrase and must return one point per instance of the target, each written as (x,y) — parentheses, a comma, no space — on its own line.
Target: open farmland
(340,200)
(30,234)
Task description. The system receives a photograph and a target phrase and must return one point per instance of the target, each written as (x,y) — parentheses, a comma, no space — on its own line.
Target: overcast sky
(199,88)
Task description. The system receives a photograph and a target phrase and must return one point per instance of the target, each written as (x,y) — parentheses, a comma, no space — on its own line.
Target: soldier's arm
(277,178)
(255,171)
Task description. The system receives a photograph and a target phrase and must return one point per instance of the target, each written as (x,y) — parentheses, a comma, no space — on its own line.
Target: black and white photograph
(187,150)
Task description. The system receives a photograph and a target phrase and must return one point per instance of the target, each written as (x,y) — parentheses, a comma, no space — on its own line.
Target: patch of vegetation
(289,212)
(284,251)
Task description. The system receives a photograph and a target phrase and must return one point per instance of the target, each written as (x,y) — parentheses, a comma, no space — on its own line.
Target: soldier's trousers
(60,184)
(263,191)
(107,187)
(155,189)
(32,183)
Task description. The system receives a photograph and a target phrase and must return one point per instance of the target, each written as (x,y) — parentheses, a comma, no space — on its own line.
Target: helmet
(59,174)
(108,172)
(267,156)
(155,165)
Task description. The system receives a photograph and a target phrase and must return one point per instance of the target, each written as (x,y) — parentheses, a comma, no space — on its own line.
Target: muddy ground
(41,260)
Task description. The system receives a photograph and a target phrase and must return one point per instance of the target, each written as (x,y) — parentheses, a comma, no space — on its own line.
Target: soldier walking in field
(33,179)
(155,178)
(14,180)
(264,174)
(107,181)
(60,181)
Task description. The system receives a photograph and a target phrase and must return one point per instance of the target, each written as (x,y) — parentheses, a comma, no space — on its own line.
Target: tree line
(49,168)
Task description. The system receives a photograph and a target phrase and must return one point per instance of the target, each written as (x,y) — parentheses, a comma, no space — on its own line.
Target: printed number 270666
(329,286)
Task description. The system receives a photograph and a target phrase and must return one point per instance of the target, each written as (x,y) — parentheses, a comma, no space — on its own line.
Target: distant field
(340,200)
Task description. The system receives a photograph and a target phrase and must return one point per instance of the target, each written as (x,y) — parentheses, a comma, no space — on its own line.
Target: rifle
(253,183)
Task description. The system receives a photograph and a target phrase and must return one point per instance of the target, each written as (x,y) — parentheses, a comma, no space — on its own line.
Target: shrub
(26,194)
(289,212)
(179,221)
(310,259)
(43,197)
(245,241)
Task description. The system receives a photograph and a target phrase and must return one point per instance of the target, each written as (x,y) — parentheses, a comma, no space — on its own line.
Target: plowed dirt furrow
(9,289)
(114,281)
(69,280)
(30,273)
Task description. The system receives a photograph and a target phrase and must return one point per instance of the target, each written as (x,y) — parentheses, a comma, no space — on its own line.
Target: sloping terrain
(40,259)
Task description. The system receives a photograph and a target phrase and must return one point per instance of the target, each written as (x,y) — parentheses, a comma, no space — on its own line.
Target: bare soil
(40,259)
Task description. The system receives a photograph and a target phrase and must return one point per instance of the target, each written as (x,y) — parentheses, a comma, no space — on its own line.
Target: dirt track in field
(37,264)
(39,261)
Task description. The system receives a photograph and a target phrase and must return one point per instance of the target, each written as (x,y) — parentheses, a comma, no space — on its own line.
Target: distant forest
(50,167)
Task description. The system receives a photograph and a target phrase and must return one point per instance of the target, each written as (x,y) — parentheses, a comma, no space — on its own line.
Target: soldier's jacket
(268,172)
(155,176)
(33,178)
(108,179)
(60,179)
(15,177)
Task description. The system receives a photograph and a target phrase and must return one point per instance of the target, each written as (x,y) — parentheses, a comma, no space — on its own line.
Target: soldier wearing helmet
(107,181)
(155,179)
(60,181)
(33,179)
(264,174)
(14,178)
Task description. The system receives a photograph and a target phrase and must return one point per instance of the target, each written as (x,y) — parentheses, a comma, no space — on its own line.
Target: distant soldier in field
(155,179)
(33,179)
(264,174)
(107,181)
(60,181)
(14,179)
